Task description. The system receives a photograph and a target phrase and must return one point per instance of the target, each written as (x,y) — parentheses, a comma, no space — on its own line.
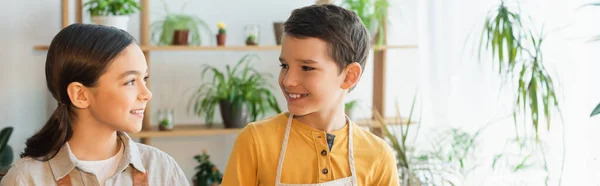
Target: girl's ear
(79,95)
(353,72)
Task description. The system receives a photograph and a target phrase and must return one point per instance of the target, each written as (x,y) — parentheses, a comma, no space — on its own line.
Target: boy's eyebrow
(308,61)
(281,59)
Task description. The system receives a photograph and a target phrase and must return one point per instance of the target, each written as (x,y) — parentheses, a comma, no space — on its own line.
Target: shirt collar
(65,161)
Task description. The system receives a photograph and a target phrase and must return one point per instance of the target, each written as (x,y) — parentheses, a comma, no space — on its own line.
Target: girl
(97,74)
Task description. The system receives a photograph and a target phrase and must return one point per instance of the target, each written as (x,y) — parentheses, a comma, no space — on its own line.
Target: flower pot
(221,39)
(180,37)
(119,22)
(234,115)
(278,29)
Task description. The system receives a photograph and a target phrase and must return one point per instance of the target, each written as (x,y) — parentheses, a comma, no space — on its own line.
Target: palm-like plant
(504,33)
(240,85)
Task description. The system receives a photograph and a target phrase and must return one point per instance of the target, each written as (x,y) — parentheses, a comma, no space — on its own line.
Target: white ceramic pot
(120,22)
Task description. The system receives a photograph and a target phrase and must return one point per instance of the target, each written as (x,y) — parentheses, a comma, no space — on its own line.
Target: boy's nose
(290,79)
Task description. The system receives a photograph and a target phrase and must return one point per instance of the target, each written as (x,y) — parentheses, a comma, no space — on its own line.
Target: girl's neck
(326,120)
(93,140)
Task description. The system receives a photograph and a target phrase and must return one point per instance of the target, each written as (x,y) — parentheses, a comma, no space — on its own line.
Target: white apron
(348,181)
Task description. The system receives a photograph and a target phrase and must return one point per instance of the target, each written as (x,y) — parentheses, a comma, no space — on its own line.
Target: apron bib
(347,181)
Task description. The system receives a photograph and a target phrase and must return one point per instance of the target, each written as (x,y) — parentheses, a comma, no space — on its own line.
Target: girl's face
(120,96)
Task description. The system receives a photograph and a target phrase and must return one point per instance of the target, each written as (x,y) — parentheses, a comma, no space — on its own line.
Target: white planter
(120,22)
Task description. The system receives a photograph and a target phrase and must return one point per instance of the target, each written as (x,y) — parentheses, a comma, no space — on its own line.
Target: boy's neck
(327,120)
(93,141)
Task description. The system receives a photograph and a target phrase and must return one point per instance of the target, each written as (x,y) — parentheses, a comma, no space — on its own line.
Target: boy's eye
(284,66)
(306,68)
(146,78)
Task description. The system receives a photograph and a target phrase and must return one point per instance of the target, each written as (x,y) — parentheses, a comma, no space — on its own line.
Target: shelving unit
(201,130)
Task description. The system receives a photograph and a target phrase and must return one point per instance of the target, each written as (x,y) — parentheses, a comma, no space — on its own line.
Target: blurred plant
(207,173)
(237,85)
(506,35)
(164,29)
(111,7)
(373,14)
(444,165)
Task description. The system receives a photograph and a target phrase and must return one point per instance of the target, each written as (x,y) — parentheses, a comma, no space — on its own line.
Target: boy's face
(309,78)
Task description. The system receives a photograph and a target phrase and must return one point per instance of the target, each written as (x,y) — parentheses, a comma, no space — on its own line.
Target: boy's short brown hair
(342,29)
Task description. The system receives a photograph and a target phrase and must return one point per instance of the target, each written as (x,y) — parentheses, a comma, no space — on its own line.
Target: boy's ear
(79,95)
(353,72)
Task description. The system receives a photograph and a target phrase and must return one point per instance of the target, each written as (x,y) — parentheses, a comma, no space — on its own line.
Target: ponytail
(46,143)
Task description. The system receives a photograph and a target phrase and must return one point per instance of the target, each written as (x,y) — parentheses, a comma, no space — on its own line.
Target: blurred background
(485,92)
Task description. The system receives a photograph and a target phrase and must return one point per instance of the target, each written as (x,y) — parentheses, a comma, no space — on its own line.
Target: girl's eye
(130,82)
(284,66)
(146,78)
(305,68)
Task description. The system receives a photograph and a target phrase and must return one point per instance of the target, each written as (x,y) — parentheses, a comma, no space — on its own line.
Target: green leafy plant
(373,14)
(350,105)
(112,7)
(240,84)
(429,168)
(505,34)
(6,151)
(164,29)
(207,174)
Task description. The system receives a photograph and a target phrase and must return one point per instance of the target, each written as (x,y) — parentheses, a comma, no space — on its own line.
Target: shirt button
(325,171)
(324,153)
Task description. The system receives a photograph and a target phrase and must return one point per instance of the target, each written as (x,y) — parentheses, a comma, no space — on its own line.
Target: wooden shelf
(202,130)
(231,48)
(391,121)
(185,130)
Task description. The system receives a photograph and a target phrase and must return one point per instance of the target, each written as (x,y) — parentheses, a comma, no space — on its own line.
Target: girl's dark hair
(78,53)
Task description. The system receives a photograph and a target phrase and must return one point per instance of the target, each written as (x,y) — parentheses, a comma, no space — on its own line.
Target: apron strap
(139,179)
(286,136)
(65,181)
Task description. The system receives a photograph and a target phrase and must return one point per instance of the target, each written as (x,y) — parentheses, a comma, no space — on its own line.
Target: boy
(323,54)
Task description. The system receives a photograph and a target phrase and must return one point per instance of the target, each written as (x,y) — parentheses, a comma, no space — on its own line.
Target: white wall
(26,104)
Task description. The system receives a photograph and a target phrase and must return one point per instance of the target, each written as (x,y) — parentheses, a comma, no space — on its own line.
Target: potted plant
(207,173)
(178,29)
(112,12)
(240,92)
(373,14)
(252,33)
(221,35)
(166,121)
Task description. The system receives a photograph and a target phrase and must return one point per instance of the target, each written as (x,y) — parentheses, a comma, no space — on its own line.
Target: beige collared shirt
(159,166)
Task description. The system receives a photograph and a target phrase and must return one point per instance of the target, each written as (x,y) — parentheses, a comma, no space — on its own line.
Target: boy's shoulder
(269,124)
(366,139)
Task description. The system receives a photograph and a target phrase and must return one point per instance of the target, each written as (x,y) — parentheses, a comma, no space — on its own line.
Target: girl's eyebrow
(130,72)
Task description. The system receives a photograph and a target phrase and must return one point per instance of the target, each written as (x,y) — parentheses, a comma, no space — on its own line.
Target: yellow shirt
(255,155)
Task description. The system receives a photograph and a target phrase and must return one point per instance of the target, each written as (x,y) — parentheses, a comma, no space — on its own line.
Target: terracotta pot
(278,29)
(180,37)
(221,39)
